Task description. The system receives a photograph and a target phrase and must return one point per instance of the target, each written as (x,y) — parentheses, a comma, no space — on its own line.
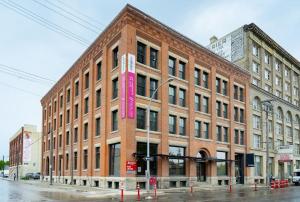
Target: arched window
(288,117)
(279,114)
(256,104)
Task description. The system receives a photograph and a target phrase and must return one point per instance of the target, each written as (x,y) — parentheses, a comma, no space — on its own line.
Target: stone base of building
(130,183)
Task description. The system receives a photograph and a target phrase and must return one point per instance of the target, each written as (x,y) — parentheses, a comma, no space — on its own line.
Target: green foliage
(25,178)
(3,163)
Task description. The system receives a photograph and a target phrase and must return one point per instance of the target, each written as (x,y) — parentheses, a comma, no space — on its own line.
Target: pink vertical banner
(131,87)
(123,86)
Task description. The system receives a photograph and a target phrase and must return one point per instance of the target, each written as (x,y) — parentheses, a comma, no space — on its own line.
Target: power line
(20,89)
(79,12)
(44,23)
(21,73)
(67,17)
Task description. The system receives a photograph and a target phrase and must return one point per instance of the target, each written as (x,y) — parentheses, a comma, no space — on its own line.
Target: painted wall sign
(26,147)
(123,86)
(131,87)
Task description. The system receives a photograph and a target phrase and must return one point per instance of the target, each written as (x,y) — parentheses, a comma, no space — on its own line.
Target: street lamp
(148,136)
(267,107)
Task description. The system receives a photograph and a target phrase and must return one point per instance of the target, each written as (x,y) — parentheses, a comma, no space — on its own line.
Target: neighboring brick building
(97,110)
(25,151)
(275,75)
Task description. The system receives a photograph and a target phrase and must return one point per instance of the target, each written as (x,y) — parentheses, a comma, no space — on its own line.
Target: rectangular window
(75,160)
(68,95)
(97,157)
(172,66)
(224,87)
(115,56)
(61,100)
(205,104)
(114,120)
(225,110)
(267,74)
(236,114)
(218,109)
(67,161)
(76,88)
(85,159)
(267,58)
(182,126)
(242,115)
(98,98)
(141,118)
(241,94)
(181,70)
(182,97)
(141,150)
(218,85)
(258,166)
(86,79)
(206,130)
(99,70)
(236,136)
(86,131)
(114,159)
(256,141)
(115,88)
(236,92)
(255,67)
(172,124)
(76,111)
(222,166)
(86,105)
(75,135)
(255,50)
(153,87)
(198,129)
(205,79)
(68,116)
(225,134)
(141,52)
(141,85)
(153,121)
(55,105)
(242,137)
(153,58)
(176,164)
(197,102)
(219,133)
(60,141)
(98,126)
(172,94)
(60,120)
(67,138)
(197,77)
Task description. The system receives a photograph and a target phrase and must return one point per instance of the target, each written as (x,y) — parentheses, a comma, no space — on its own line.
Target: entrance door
(239,168)
(201,167)
(280,170)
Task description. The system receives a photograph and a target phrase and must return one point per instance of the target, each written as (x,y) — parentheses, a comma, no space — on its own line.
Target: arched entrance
(201,166)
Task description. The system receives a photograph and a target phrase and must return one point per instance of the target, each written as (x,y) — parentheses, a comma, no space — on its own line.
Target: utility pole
(51,156)
(267,107)
(71,156)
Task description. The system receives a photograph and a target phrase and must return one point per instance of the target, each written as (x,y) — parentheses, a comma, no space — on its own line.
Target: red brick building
(98,110)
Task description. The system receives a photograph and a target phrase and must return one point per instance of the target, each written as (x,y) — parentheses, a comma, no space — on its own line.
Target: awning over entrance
(205,159)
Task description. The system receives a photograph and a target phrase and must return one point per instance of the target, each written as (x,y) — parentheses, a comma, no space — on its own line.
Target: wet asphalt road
(15,192)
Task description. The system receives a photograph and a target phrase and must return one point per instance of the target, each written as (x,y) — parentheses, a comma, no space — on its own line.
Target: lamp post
(267,107)
(148,136)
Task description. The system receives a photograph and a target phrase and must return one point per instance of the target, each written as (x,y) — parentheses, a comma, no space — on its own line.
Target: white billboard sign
(26,147)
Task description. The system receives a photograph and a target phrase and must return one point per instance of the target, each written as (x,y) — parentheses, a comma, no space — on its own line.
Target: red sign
(131,166)
(152,181)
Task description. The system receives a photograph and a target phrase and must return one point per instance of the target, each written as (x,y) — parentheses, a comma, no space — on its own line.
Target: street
(20,191)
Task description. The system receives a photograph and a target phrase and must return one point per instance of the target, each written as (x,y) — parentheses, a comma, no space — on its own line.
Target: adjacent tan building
(274,75)
(97,111)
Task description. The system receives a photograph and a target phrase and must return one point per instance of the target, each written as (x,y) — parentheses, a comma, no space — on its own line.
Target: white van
(296,177)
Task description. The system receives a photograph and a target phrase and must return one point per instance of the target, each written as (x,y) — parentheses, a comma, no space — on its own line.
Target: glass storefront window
(141,150)
(222,164)
(176,164)
(114,159)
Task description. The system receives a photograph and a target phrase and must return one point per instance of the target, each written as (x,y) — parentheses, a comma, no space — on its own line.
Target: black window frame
(85,159)
(141,85)
(97,157)
(182,126)
(115,60)
(172,98)
(115,88)
(205,79)
(86,105)
(153,120)
(140,118)
(153,58)
(99,71)
(98,126)
(197,76)
(172,128)
(181,70)
(177,159)
(85,131)
(182,97)
(98,98)
(172,69)
(197,132)
(86,80)
(114,120)
(141,52)
(153,88)
(205,108)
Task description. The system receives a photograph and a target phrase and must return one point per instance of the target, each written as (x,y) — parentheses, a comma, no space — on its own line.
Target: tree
(3,164)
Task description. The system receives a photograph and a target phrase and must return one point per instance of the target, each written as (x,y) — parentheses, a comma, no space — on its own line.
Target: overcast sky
(28,46)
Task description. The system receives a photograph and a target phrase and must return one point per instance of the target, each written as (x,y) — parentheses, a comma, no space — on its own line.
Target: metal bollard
(138,194)
(122,191)
(191,189)
(255,186)
(155,190)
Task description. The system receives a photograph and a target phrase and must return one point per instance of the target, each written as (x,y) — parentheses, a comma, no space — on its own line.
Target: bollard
(138,194)
(122,191)
(255,186)
(155,190)
(230,186)
(191,189)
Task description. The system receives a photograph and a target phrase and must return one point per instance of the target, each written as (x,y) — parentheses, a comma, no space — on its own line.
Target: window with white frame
(256,122)
(255,50)
(267,74)
(256,141)
(255,67)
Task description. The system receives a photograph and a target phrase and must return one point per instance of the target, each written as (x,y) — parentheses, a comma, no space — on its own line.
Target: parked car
(36,176)
(29,175)
(296,177)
